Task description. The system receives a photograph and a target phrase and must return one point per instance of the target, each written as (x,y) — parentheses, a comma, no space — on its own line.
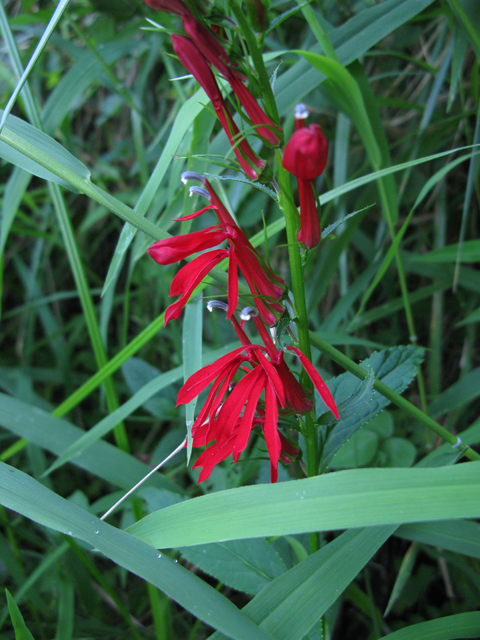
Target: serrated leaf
(245,565)
(394,367)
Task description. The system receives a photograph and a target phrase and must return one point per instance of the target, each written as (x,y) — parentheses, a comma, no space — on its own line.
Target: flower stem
(298,289)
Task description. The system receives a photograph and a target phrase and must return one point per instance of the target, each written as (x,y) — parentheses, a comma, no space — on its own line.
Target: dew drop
(96,532)
(159,555)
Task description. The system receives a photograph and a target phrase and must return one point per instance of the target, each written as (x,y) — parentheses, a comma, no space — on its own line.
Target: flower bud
(306,153)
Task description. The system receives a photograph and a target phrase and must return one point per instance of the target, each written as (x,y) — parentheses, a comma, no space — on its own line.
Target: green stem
(338,357)
(298,290)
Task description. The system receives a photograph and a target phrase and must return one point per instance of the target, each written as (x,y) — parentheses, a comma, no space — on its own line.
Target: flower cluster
(200,50)
(252,387)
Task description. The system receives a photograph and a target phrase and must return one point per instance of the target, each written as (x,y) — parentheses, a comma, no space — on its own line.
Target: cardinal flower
(194,61)
(305,156)
(228,415)
(216,55)
(263,283)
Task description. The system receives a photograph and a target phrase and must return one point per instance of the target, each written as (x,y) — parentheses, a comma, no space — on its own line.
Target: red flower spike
(320,385)
(193,60)
(305,157)
(216,55)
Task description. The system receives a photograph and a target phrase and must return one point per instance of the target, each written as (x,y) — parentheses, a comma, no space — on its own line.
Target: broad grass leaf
(292,604)
(459,536)
(44,146)
(460,625)
(28,497)
(341,500)
(470,252)
(55,435)
(245,565)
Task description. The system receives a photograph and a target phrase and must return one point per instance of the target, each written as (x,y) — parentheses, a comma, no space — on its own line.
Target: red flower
(169,6)
(263,283)
(305,156)
(226,423)
(216,55)
(223,422)
(193,60)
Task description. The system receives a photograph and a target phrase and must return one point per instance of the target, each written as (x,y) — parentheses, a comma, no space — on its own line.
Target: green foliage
(99,129)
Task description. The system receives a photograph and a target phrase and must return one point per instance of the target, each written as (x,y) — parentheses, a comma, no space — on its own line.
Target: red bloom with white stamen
(263,283)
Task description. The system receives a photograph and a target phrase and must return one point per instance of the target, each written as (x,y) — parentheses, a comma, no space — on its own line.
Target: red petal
(194,215)
(273,376)
(178,248)
(309,232)
(202,378)
(190,276)
(270,429)
(245,428)
(233,405)
(320,385)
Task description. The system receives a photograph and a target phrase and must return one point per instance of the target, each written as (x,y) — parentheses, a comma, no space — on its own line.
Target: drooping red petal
(178,248)
(309,232)
(295,395)
(233,405)
(270,429)
(197,382)
(211,457)
(246,424)
(320,385)
(256,114)
(273,377)
(194,272)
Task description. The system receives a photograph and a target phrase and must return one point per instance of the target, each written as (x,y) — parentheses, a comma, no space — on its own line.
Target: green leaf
(44,145)
(461,625)
(57,14)
(459,393)
(346,92)
(245,565)
(28,497)
(291,605)
(357,498)
(356,452)
(192,357)
(470,252)
(358,402)
(460,536)
(55,435)
(21,630)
